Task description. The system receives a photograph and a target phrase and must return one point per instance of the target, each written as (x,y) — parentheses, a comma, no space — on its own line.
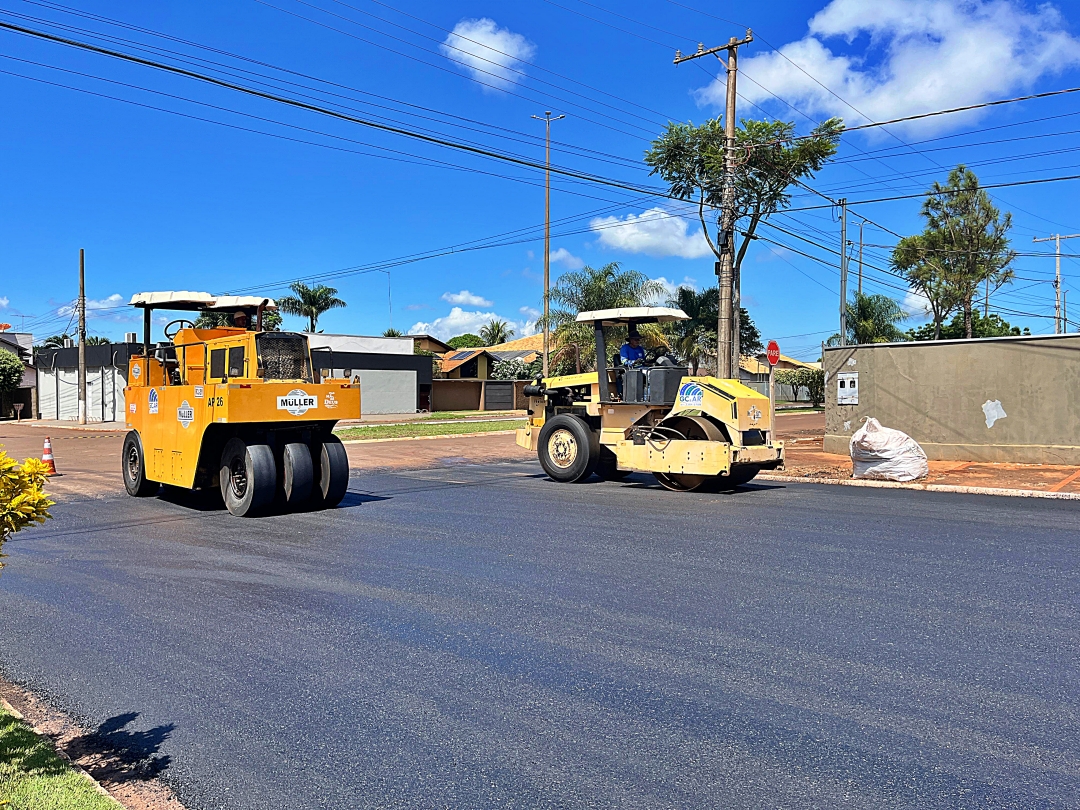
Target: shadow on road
(112,753)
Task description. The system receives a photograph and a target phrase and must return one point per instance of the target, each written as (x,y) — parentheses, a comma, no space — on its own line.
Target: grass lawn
(420,429)
(33,777)
(464,414)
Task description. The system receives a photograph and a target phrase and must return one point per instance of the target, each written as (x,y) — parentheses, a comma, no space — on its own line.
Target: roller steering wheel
(179,323)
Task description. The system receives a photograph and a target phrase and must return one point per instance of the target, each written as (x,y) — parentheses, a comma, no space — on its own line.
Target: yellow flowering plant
(22,495)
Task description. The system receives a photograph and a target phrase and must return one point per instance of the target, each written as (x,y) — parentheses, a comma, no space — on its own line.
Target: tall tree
(965,246)
(309,302)
(496,331)
(872,319)
(466,341)
(590,289)
(690,159)
(981,327)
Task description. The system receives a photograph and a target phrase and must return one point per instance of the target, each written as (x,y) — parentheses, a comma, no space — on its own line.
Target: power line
(325,111)
(118,23)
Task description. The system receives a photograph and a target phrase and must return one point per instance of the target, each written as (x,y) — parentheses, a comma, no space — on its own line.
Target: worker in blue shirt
(631,351)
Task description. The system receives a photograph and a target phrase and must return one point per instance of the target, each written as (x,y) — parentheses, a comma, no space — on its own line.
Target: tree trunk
(967,318)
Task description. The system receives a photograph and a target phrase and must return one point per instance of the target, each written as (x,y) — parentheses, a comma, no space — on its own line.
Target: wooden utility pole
(842,202)
(1056,239)
(547,119)
(82,337)
(727,350)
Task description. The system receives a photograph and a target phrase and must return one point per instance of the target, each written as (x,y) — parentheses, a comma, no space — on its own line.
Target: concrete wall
(361,344)
(387,391)
(937,391)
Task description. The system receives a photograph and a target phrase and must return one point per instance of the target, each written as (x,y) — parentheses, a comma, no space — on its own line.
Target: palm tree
(55,341)
(695,339)
(95,340)
(392,332)
(496,332)
(589,289)
(872,319)
(309,302)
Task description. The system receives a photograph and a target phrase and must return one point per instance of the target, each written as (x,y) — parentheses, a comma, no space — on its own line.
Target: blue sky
(241,194)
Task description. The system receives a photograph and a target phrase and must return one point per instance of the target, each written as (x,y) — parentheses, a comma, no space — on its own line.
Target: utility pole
(547,119)
(863,222)
(82,337)
(1056,239)
(842,202)
(727,350)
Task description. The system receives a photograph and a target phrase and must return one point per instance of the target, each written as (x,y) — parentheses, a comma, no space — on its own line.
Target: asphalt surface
(480,637)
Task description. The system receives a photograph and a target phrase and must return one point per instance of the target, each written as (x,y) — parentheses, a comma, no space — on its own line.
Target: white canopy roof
(637,314)
(241,302)
(187,300)
(183,299)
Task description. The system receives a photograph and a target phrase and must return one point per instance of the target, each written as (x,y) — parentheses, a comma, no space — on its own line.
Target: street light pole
(82,337)
(727,331)
(843,271)
(547,119)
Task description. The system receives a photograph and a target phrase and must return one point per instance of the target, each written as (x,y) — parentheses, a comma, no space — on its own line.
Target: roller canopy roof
(610,317)
(187,300)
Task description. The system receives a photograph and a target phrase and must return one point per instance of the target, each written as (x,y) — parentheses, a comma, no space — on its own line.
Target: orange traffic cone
(47,457)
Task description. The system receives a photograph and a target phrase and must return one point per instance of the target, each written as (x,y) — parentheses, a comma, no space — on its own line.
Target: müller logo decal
(185,414)
(297,402)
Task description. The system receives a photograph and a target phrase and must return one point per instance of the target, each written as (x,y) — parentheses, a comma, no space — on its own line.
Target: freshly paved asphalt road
(480,637)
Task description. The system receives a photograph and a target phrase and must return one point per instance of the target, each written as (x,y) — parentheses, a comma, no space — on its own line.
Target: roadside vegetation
(32,774)
(422,429)
(466,414)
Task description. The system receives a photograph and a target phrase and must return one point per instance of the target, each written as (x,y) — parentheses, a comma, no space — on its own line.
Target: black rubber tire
(568,449)
(738,476)
(248,476)
(133,464)
(298,474)
(333,473)
(608,466)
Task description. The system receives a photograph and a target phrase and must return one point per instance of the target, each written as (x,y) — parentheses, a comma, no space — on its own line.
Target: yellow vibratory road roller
(690,432)
(234,408)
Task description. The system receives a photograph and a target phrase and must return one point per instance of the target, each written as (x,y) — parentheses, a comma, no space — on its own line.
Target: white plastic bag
(886,454)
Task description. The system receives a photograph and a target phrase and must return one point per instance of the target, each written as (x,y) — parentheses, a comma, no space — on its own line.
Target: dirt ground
(95,751)
(89,460)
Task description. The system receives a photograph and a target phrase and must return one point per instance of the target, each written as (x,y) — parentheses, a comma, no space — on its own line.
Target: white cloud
(4,302)
(114,303)
(459,321)
(466,298)
(530,312)
(670,286)
(653,232)
(910,56)
(488,53)
(916,305)
(567,259)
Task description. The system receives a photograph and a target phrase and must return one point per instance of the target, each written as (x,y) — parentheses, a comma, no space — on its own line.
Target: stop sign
(772,351)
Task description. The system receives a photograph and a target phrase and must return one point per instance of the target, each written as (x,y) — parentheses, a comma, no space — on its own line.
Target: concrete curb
(852,482)
(421,438)
(92,427)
